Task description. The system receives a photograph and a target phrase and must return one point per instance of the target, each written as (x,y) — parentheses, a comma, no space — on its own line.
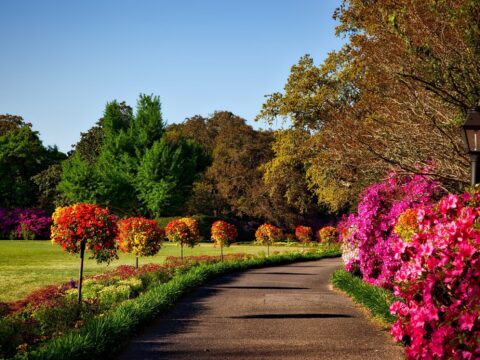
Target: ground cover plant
(117,302)
(374,298)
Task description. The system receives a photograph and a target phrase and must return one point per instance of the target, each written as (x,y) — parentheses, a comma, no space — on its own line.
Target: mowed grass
(29,265)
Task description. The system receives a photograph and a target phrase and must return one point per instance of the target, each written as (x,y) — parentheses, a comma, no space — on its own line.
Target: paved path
(284,312)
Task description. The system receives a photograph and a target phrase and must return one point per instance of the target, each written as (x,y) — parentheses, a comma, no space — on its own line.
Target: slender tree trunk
(181,252)
(221,251)
(80,277)
(268,250)
(136,262)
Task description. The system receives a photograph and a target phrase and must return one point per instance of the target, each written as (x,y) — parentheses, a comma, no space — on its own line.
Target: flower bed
(99,336)
(53,310)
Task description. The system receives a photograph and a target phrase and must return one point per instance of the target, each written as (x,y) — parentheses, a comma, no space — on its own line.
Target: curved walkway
(283,312)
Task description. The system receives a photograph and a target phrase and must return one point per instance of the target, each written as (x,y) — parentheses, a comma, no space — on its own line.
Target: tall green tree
(125,172)
(22,156)
(166,175)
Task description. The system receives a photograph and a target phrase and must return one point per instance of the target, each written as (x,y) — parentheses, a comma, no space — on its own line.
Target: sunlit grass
(29,265)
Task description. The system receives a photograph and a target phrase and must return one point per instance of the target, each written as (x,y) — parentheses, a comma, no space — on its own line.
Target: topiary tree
(139,236)
(178,231)
(85,226)
(223,234)
(194,228)
(268,234)
(304,234)
(328,234)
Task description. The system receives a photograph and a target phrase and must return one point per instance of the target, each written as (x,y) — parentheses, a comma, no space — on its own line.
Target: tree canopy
(393,96)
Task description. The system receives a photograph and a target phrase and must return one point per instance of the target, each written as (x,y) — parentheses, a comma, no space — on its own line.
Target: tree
(22,155)
(393,96)
(126,163)
(139,236)
(166,175)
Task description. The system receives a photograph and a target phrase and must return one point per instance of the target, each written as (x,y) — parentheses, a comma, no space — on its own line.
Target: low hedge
(375,299)
(101,336)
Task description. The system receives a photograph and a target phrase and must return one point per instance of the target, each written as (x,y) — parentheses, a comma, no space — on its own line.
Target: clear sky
(62,61)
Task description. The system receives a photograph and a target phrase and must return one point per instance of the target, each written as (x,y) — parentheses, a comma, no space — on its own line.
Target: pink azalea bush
(25,224)
(438,280)
(368,237)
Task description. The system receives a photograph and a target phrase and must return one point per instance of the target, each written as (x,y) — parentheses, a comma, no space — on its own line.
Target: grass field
(28,265)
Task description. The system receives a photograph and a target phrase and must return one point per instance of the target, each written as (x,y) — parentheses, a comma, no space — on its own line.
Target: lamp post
(471,135)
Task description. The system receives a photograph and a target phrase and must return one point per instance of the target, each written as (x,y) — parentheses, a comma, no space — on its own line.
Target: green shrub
(15,331)
(153,278)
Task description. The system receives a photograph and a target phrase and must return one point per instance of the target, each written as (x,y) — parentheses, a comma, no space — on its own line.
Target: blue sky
(62,61)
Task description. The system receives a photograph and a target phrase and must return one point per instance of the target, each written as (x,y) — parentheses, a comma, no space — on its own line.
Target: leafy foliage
(179,232)
(86,223)
(328,234)
(22,155)
(304,234)
(223,233)
(268,234)
(393,96)
(126,164)
(139,236)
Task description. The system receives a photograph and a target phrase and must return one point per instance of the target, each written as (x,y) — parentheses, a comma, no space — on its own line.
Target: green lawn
(29,265)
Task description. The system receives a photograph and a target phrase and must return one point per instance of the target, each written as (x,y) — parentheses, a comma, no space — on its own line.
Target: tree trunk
(80,277)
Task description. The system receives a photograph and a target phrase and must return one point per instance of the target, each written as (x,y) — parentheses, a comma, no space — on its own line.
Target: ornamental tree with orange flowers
(328,235)
(179,232)
(304,234)
(85,226)
(139,236)
(223,234)
(268,234)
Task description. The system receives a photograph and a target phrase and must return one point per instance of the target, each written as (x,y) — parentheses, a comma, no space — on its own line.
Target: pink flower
(466,321)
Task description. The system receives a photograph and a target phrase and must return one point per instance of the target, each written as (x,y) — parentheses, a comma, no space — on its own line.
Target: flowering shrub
(85,222)
(304,234)
(193,227)
(223,233)
(268,234)
(178,231)
(328,234)
(369,238)
(439,279)
(139,236)
(25,223)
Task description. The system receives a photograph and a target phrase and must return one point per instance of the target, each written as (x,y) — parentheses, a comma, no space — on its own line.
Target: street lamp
(471,135)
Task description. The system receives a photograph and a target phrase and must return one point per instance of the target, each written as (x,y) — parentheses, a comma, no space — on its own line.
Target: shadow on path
(262,287)
(292,316)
